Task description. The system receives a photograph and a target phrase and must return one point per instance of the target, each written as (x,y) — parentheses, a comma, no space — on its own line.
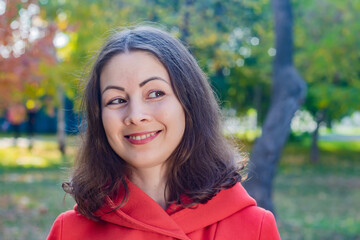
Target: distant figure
(154,163)
(16,115)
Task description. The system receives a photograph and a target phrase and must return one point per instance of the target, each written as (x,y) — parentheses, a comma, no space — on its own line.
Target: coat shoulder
(251,222)
(68,223)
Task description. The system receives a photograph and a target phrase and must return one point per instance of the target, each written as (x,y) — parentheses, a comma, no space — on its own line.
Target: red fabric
(231,214)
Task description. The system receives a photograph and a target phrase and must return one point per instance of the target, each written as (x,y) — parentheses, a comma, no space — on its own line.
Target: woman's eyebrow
(113,87)
(140,84)
(151,79)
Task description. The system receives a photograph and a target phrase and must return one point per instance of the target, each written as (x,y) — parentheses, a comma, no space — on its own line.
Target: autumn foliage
(26,42)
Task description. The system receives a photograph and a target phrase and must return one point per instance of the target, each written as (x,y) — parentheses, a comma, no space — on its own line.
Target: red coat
(231,214)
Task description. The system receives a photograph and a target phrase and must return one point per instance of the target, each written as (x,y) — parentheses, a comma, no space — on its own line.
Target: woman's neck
(152,182)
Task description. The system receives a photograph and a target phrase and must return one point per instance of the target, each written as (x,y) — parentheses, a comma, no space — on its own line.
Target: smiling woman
(154,163)
(143,119)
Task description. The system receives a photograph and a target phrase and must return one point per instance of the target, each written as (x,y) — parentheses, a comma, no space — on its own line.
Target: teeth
(142,136)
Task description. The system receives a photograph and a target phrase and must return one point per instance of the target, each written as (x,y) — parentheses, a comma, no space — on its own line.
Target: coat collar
(142,213)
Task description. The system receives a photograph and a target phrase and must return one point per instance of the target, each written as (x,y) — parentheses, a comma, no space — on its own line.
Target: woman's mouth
(142,138)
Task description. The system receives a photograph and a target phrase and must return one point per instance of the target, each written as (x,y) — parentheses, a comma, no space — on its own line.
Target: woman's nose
(136,114)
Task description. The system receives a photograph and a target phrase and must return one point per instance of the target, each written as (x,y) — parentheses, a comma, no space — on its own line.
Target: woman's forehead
(132,68)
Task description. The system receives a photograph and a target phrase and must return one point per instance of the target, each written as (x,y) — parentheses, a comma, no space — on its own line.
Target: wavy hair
(203,163)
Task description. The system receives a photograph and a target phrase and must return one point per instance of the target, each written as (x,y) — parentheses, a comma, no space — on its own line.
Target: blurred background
(46,48)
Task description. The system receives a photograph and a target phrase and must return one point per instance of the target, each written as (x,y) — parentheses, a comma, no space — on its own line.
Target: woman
(154,163)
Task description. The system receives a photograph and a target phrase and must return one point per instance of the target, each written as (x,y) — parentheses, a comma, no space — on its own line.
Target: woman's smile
(142,138)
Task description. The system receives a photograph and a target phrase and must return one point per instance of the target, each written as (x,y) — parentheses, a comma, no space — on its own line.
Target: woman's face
(143,119)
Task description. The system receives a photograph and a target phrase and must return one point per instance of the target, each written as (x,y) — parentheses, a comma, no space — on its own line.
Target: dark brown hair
(201,165)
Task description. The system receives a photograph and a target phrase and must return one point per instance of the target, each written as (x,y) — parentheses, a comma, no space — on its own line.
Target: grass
(319,201)
(29,202)
(30,195)
(313,201)
(43,153)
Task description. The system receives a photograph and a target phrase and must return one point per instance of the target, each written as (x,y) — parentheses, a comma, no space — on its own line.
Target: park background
(46,48)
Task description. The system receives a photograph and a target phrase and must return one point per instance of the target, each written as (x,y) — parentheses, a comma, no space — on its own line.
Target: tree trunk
(257,102)
(314,152)
(288,93)
(61,123)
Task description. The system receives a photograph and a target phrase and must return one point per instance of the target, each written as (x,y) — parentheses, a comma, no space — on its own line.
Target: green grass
(43,154)
(30,194)
(319,201)
(313,201)
(29,202)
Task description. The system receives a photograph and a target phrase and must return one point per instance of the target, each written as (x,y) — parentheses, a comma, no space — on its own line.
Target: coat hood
(142,213)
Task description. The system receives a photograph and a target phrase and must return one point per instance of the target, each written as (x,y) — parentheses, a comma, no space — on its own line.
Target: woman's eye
(156,94)
(116,101)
